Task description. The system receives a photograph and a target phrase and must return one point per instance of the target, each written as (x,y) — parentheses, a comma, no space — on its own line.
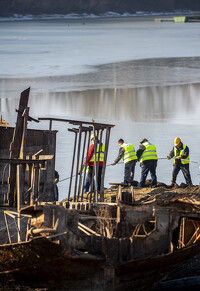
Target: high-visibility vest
(149,153)
(183,161)
(129,154)
(102,150)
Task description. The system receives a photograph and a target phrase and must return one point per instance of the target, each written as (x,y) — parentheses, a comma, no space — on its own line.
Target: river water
(140,75)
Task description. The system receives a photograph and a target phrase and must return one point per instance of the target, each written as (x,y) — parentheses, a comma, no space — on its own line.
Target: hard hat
(92,137)
(143,140)
(121,140)
(177,141)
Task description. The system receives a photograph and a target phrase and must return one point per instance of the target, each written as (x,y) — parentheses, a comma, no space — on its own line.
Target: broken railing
(34,164)
(82,134)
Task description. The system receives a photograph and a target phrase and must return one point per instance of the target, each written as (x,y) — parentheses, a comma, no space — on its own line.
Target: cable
(122,163)
(75,175)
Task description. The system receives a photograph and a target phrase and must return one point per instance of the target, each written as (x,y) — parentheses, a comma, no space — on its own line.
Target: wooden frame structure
(20,162)
(82,136)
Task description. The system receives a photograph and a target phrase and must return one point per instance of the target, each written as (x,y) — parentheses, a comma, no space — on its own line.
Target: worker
(147,156)
(180,152)
(100,149)
(56,180)
(128,154)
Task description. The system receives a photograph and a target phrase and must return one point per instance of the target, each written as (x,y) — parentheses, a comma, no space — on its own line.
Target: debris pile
(162,193)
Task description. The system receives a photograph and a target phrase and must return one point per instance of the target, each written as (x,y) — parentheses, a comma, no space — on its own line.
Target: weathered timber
(16,146)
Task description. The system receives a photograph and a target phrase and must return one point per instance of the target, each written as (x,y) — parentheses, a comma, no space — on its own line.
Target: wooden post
(104,163)
(50,125)
(77,161)
(15,146)
(8,231)
(30,167)
(119,193)
(23,152)
(36,179)
(19,198)
(80,181)
(132,194)
(100,142)
(95,165)
(88,145)
(72,168)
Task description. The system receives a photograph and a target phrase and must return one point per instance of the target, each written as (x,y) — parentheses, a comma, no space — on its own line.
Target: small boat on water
(192,18)
(84,241)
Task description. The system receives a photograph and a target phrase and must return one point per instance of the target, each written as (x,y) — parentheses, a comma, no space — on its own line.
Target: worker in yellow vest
(180,153)
(147,156)
(99,159)
(128,154)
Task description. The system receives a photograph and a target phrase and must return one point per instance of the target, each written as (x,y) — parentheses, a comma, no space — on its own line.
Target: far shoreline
(106,15)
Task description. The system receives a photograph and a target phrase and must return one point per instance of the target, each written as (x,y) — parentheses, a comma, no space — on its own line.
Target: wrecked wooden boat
(109,246)
(84,240)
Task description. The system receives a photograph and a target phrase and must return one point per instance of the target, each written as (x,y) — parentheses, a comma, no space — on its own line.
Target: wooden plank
(20,161)
(88,229)
(42,157)
(19,187)
(77,122)
(8,232)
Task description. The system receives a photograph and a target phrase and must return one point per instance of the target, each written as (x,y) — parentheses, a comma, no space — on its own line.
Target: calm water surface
(140,75)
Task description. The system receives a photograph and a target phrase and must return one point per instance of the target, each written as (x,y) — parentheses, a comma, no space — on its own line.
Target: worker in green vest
(147,156)
(180,153)
(128,154)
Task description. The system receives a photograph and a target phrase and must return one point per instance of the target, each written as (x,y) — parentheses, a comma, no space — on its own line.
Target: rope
(122,163)
(75,175)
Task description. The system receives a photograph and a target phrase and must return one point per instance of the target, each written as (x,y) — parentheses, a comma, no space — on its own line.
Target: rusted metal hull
(42,260)
(144,274)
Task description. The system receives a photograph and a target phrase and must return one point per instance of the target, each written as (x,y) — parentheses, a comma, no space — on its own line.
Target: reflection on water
(141,90)
(178,103)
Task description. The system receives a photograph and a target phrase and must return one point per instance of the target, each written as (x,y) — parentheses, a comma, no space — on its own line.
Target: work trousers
(146,167)
(98,178)
(86,184)
(129,171)
(185,170)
